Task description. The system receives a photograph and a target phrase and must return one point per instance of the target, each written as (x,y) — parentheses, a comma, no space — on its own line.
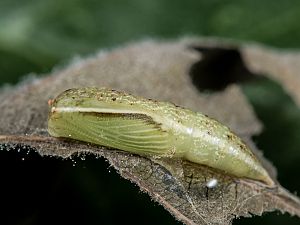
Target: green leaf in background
(44,33)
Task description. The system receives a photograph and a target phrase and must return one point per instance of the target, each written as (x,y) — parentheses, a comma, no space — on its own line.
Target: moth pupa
(151,128)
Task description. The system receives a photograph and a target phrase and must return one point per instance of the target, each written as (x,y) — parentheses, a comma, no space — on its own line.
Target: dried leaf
(159,71)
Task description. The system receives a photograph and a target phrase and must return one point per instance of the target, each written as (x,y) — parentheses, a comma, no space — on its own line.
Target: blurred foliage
(36,35)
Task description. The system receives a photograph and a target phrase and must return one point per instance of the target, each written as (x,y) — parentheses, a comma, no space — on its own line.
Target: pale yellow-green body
(146,127)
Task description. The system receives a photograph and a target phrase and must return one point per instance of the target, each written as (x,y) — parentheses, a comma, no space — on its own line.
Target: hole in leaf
(218,68)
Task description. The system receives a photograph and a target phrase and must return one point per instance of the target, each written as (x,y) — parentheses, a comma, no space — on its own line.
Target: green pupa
(151,128)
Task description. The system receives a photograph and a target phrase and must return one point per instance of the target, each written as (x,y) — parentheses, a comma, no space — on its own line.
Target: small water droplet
(212,183)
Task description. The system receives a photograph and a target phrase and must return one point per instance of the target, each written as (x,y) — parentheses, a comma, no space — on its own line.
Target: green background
(37,35)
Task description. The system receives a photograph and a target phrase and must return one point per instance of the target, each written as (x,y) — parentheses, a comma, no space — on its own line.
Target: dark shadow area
(44,190)
(218,68)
